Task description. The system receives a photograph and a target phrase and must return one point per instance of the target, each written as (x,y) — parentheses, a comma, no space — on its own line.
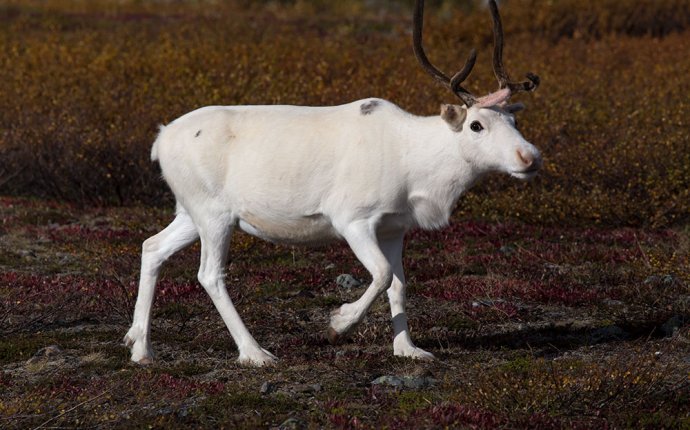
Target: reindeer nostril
(527,159)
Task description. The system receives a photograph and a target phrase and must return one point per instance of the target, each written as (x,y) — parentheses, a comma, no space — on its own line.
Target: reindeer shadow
(552,339)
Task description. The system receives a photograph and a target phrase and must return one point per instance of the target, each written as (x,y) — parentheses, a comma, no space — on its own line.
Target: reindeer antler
(454,83)
(501,75)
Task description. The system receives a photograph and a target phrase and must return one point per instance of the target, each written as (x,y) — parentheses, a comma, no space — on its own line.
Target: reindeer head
(491,140)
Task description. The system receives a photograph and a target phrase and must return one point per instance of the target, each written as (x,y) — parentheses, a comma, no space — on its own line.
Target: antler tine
(501,75)
(458,78)
(418,21)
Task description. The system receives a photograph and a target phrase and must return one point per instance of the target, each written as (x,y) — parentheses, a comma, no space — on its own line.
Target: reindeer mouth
(525,174)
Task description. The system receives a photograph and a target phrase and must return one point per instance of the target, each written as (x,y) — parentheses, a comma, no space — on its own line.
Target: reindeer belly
(309,229)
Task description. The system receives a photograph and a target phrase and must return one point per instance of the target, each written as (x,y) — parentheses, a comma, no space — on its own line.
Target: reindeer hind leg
(179,234)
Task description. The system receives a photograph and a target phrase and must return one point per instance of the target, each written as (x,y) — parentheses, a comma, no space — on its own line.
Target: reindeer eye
(476,126)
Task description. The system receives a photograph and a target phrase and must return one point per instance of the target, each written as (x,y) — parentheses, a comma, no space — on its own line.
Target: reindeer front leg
(383,259)
(402,342)
(361,236)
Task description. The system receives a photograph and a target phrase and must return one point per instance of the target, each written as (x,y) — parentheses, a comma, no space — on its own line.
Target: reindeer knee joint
(210,283)
(151,251)
(203,279)
(150,245)
(385,278)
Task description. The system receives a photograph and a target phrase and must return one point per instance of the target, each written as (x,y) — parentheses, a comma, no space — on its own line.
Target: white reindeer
(285,174)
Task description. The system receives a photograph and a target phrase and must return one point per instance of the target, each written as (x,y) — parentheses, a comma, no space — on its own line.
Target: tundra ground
(531,326)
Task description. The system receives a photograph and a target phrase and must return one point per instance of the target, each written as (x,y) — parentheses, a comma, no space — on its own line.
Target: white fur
(313,174)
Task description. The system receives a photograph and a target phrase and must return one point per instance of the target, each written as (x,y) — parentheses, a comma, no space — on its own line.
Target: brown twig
(72,408)
(644,254)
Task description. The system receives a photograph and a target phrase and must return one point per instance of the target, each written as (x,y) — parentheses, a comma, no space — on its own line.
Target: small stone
(266,388)
(44,354)
(27,254)
(652,279)
(167,410)
(347,281)
(612,303)
(412,382)
(667,280)
(390,380)
(329,266)
(488,303)
(51,351)
(292,423)
(307,388)
(417,383)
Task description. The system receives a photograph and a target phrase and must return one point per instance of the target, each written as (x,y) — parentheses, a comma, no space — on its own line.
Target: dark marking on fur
(198,133)
(369,107)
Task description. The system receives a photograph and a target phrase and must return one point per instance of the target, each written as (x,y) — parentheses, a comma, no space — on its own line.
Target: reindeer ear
(514,107)
(454,115)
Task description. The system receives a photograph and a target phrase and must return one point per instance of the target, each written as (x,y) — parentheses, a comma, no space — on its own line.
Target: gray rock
(412,382)
(347,281)
(267,388)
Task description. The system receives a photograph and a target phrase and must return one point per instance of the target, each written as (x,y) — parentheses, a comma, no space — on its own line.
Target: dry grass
(85,85)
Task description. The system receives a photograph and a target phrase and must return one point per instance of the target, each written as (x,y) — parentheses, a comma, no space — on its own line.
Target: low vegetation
(85,86)
(533,327)
(560,303)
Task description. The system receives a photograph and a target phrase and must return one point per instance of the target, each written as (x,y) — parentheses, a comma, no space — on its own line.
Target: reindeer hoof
(145,361)
(333,337)
(257,358)
(142,353)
